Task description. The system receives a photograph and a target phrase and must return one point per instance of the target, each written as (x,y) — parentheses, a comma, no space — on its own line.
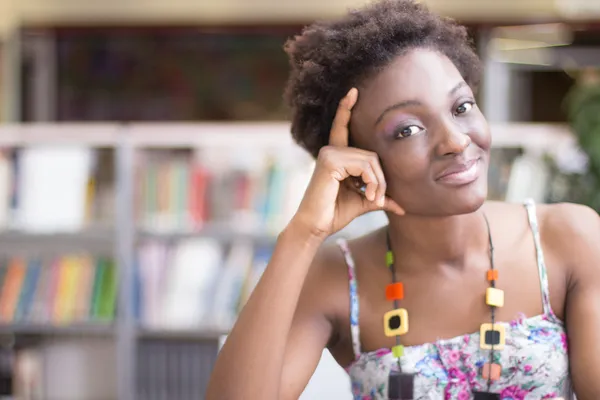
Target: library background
(146,168)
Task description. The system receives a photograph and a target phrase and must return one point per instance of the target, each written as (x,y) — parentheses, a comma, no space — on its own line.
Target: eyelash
(399,132)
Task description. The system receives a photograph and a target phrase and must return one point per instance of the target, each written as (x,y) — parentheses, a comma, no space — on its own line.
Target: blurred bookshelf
(147,239)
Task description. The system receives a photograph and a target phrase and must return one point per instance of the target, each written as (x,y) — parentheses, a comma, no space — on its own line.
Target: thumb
(388,205)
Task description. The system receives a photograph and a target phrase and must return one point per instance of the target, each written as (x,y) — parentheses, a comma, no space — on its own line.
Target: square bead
(389,258)
(398,351)
(492,335)
(494,297)
(492,275)
(491,371)
(401,386)
(394,291)
(395,322)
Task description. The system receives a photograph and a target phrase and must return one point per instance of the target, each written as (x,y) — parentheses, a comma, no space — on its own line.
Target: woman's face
(419,115)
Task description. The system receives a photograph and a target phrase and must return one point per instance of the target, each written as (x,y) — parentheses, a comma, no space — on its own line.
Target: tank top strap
(354,305)
(535,230)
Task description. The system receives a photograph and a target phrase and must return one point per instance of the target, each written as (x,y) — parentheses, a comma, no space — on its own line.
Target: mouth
(461,173)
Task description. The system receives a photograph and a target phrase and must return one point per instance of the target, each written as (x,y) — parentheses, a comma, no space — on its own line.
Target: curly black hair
(331,57)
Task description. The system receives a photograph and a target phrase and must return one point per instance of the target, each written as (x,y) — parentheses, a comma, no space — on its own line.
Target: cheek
(407,167)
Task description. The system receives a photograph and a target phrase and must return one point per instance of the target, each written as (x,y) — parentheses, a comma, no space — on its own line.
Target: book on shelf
(174,370)
(48,189)
(197,283)
(57,291)
(243,189)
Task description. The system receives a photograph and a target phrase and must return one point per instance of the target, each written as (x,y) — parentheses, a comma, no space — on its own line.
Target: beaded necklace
(401,384)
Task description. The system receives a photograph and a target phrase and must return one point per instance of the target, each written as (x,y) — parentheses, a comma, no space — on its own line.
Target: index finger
(339,128)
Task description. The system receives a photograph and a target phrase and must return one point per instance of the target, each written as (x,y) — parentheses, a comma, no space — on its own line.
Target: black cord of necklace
(492,284)
(493,308)
(393,271)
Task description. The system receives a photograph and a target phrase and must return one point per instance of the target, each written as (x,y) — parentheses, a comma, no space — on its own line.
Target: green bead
(398,351)
(389,258)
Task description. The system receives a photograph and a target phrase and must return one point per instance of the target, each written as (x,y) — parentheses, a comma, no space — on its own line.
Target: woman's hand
(334,196)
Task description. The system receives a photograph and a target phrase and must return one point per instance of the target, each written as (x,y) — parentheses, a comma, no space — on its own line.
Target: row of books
(61,290)
(176,190)
(174,370)
(184,192)
(196,283)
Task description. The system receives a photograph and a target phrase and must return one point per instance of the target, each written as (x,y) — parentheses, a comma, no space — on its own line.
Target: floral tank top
(534,362)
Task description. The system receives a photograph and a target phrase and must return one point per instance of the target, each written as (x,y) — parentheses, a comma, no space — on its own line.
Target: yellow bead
(398,351)
(389,258)
(494,297)
(492,335)
(395,322)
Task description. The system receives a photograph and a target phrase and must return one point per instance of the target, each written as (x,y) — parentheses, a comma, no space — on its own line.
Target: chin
(468,199)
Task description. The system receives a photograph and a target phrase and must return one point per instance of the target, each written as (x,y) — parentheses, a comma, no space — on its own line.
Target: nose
(453,140)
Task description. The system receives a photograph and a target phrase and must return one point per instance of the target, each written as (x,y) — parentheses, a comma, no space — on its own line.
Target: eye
(464,108)
(408,131)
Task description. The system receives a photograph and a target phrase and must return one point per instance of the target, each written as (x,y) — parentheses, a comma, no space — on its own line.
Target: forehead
(422,75)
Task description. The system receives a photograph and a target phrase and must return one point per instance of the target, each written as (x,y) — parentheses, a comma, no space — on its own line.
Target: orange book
(11,290)
(197,203)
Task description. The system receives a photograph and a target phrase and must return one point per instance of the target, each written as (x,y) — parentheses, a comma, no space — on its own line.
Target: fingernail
(381,201)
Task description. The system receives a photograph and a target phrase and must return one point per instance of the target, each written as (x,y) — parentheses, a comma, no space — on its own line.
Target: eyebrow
(414,103)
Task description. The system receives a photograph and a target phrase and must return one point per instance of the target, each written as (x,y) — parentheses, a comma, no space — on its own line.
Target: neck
(438,241)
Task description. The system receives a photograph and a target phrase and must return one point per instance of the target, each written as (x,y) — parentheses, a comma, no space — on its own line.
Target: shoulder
(572,233)
(335,257)
(327,283)
(569,226)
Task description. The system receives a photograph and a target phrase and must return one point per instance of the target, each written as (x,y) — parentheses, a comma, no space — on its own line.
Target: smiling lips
(460,173)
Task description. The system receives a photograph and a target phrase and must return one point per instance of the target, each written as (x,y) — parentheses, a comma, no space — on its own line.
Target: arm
(251,363)
(278,338)
(579,229)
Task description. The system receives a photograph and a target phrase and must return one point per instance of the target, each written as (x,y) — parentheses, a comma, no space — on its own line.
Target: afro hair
(331,57)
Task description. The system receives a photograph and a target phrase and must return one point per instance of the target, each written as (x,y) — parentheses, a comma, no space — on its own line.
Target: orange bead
(492,275)
(491,371)
(394,291)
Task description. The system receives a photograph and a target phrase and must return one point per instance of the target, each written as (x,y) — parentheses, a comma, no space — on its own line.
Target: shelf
(97,239)
(200,334)
(79,329)
(275,134)
(81,134)
(218,232)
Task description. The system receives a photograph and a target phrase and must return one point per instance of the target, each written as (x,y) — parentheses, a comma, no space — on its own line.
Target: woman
(490,289)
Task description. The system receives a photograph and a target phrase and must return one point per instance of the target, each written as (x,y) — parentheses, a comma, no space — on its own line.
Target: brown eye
(408,131)
(464,108)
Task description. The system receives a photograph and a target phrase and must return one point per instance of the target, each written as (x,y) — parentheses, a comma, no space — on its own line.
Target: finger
(381,184)
(368,176)
(339,128)
(360,167)
(391,206)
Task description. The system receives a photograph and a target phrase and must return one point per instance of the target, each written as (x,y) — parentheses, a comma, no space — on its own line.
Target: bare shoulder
(330,266)
(559,223)
(569,226)
(572,233)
